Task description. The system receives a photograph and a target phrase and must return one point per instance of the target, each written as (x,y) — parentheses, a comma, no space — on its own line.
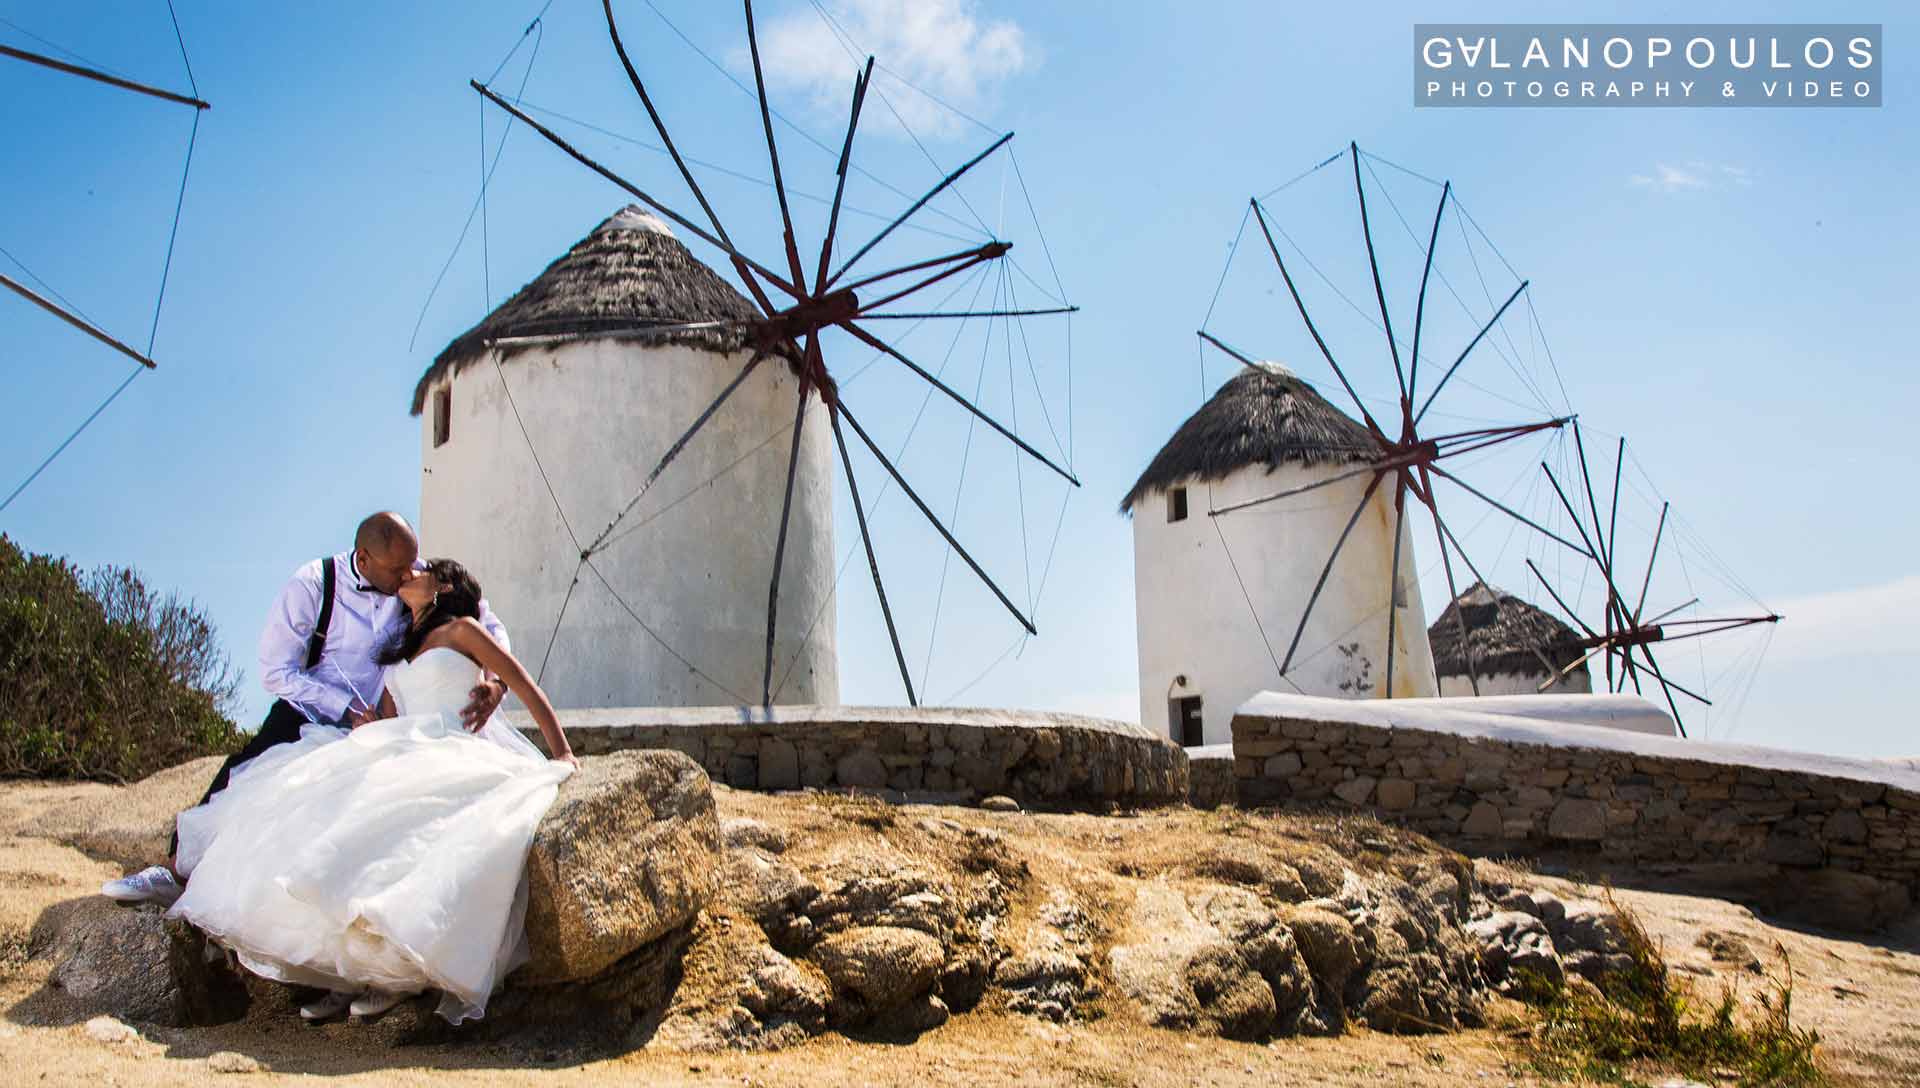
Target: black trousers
(281,727)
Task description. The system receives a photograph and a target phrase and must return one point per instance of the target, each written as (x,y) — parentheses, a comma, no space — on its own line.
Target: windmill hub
(804,318)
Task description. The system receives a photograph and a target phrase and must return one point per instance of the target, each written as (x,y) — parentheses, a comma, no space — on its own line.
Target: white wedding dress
(391,857)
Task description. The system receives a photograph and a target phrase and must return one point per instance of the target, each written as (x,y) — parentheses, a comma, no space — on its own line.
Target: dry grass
(1645,1017)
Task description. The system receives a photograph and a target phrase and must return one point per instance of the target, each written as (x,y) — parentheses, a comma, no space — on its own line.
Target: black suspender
(317,642)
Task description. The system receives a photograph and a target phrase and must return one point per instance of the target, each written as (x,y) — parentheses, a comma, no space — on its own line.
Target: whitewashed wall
(1194,619)
(1516,683)
(697,561)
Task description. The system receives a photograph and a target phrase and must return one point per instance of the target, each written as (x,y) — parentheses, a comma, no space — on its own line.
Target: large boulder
(1591,939)
(1514,944)
(883,968)
(1214,959)
(1418,972)
(129,825)
(134,964)
(1326,941)
(110,959)
(627,854)
(770,891)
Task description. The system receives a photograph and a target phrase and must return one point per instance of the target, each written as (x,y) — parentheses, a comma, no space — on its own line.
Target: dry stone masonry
(1847,828)
(1043,759)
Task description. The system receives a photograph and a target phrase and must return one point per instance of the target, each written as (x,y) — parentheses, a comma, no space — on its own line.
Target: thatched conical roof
(1504,631)
(1266,416)
(629,273)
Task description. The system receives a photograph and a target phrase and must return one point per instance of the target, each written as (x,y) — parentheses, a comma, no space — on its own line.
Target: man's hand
(485,700)
(357,717)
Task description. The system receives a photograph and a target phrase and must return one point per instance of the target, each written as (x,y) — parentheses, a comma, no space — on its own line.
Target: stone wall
(1632,799)
(1057,760)
(1210,776)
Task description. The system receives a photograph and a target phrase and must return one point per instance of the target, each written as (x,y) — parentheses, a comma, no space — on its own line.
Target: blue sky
(1731,289)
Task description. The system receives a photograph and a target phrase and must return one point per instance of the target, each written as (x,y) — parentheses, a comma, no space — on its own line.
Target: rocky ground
(849,941)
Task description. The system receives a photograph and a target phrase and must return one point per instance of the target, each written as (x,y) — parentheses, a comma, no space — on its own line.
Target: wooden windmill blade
(1626,636)
(797,309)
(1402,451)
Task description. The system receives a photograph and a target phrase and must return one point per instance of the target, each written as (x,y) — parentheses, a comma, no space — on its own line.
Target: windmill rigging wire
(1024,191)
(979,280)
(976,275)
(1004,654)
(171,14)
(783,119)
(738,699)
(1065,450)
(1304,174)
(839,31)
(586,560)
(846,43)
(1435,182)
(558,617)
(1019,473)
(166,269)
(1034,283)
(1468,216)
(1375,322)
(538,30)
(959,489)
(1225,269)
(1034,216)
(1047,249)
(47,287)
(1252,610)
(741,175)
(482,211)
(58,48)
(1046,569)
(1447,282)
(173,235)
(1487,292)
(61,448)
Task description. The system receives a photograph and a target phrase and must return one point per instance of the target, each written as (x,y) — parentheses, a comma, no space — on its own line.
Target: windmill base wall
(1841,834)
(692,561)
(1515,683)
(1217,599)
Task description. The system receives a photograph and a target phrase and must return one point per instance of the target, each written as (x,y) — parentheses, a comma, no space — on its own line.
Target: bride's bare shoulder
(457,634)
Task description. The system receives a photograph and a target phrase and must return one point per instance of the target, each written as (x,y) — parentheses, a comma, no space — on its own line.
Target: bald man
(317,660)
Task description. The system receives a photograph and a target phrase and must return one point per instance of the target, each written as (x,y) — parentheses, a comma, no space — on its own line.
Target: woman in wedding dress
(388,859)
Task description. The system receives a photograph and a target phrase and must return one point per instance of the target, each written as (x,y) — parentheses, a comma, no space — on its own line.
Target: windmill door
(1187,726)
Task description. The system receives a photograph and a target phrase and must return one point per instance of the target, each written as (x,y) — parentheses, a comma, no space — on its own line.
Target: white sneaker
(331,1006)
(154,884)
(376,1003)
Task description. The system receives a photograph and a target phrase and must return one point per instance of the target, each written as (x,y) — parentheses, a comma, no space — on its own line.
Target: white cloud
(942,46)
(1688,177)
(1879,619)
(1692,176)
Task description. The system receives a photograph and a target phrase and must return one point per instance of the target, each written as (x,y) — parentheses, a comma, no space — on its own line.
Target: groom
(317,659)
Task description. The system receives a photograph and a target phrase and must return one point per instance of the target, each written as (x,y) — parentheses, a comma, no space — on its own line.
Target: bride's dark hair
(461,599)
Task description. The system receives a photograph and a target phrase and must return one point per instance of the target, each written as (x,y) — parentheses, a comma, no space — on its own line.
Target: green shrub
(100,677)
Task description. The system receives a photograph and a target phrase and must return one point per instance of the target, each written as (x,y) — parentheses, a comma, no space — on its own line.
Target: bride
(388,859)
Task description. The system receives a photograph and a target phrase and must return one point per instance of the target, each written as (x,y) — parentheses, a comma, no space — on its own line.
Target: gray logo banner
(1471,65)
